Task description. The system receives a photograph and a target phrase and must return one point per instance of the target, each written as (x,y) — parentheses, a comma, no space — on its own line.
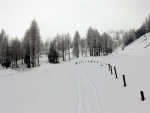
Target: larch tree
(22,50)
(2,35)
(93,41)
(46,44)
(53,54)
(35,40)
(76,42)
(27,49)
(68,44)
(17,52)
(63,47)
(89,39)
(82,43)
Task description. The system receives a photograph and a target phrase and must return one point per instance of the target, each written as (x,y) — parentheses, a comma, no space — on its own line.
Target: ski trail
(88,98)
(94,87)
(81,106)
(79,103)
(97,108)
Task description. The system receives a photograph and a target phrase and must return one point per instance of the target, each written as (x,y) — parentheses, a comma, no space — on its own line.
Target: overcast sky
(63,16)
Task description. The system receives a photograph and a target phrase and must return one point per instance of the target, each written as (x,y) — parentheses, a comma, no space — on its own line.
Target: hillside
(139,44)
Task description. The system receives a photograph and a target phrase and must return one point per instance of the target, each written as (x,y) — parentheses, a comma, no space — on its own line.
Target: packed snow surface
(85,87)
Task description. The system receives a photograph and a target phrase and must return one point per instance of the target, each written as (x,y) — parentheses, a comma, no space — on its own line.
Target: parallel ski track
(88,95)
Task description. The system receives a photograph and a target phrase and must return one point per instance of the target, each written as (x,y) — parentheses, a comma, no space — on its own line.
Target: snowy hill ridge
(141,43)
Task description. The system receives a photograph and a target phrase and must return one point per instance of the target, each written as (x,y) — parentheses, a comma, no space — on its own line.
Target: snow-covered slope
(49,88)
(85,87)
(139,44)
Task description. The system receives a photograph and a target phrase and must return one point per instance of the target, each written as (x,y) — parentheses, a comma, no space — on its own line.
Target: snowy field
(87,87)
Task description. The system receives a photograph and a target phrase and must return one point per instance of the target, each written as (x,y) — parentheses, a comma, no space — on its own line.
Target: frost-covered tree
(35,41)
(16,45)
(46,44)
(63,45)
(53,54)
(67,44)
(105,40)
(117,35)
(27,49)
(145,28)
(148,24)
(22,50)
(2,35)
(5,56)
(94,42)
(76,42)
(129,37)
(82,43)
(89,39)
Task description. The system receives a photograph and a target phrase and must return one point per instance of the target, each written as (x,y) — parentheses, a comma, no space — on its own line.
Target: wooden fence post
(109,66)
(124,80)
(115,72)
(142,95)
(111,70)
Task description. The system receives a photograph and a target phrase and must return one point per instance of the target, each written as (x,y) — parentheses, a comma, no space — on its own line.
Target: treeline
(94,44)
(30,47)
(98,44)
(27,49)
(132,34)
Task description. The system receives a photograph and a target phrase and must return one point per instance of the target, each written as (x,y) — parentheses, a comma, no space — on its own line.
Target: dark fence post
(142,95)
(109,66)
(124,80)
(111,70)
(115,72)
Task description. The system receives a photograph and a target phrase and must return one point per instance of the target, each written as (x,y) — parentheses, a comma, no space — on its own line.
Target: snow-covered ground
(87,87)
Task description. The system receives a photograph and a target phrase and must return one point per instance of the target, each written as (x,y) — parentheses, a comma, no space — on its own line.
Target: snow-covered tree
(82,43)
(129,37)
(76,42)
(53,55)
(35,41)
(27,49)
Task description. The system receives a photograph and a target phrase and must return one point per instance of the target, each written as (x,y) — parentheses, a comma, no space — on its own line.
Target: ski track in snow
(88,96)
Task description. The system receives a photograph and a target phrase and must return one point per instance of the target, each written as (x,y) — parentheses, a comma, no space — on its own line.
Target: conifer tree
(76,42)
(53,55)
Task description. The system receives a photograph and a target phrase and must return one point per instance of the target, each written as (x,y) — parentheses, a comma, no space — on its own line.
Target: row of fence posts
(124,80)
(87,61)
(110,69)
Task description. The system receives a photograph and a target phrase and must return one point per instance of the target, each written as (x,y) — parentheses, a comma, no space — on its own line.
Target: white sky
(63,16)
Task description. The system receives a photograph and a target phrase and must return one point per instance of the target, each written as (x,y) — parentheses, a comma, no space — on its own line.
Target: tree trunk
(63,56)
(29,65)
(33,57)
(69,53)
(38,60)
